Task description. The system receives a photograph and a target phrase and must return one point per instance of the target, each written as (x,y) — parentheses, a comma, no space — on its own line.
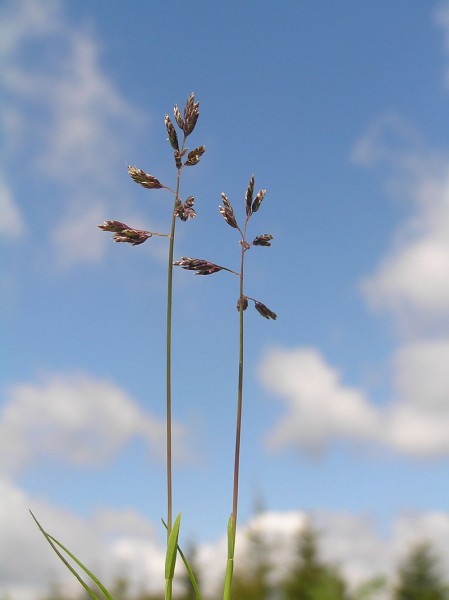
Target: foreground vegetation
(309,577)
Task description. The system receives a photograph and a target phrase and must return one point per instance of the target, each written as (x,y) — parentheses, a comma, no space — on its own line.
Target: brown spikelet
(178,117)
(185,211)
(193,157)
(124,233)
(178,161)
(191,114)
(144,179)
(242,303)
(202,267)
(264,310)
(172,135)
(113,226)
(258,200)
(227,211)
(263,240)
(249,196)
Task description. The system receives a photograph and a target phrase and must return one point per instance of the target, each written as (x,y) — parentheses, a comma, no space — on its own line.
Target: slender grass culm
(203,267)
(124,233)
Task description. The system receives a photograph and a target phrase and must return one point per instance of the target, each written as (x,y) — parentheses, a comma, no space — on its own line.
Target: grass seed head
(124,233)
(144,179)
(265,311)
(263,240)
(172,135)
(258,200)
(191,114)
(249,196)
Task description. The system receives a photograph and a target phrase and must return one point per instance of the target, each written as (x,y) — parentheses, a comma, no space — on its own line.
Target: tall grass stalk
(204,267)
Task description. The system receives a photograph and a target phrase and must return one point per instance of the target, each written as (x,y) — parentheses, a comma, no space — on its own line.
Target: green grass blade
(230,561)
(172,546)
(191,575)
(231,536)
(170,557)
(192,578)
(53,543)
(228,579)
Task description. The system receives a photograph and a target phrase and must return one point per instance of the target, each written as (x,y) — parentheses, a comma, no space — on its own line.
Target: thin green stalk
(168,374)
(232,528)
(238,428)
(168,359)
(205,267)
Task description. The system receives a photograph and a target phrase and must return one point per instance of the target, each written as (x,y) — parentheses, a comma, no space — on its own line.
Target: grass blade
(53,543)
(170,557)
(192,578)
(230,561)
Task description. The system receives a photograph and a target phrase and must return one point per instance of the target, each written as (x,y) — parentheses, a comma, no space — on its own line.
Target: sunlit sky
(340,112)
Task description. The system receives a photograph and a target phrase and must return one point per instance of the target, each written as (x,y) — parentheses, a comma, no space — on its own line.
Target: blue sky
(340,112)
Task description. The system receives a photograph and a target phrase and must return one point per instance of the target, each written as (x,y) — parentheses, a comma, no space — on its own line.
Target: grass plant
(124,233)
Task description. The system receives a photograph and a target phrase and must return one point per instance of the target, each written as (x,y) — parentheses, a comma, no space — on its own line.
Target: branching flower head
(202,267)
(125,233)
(144,179)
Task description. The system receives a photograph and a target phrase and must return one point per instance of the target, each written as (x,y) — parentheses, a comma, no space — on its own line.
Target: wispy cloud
(64,113)
(411,282)
(13,225)
(441,16)
(71,417)
(320,409)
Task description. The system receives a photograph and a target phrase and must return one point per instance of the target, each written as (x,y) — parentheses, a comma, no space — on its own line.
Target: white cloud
(411,282)
(62,109)
(422,374)
(11,218)
(320,409)
(416,422)
(388,138)
(75,419)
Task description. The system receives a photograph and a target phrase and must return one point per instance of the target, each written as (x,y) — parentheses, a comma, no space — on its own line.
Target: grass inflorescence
(123,233)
